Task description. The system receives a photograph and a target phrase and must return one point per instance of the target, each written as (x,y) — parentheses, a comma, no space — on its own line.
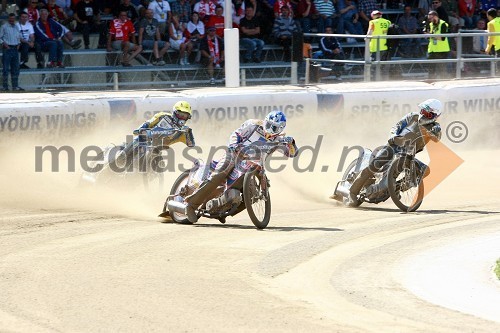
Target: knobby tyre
(257,201)
(405,196)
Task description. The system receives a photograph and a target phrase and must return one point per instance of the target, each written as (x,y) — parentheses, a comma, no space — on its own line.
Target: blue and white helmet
(274,123)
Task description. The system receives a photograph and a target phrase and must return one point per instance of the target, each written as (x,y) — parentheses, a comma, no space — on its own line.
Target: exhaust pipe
(176,207)
(340,192)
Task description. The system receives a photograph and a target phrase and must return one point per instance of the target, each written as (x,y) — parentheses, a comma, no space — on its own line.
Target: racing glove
(436,131)
(286,139)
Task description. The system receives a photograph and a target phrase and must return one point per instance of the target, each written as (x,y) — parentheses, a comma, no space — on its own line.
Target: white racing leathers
(249,132)
(414,131)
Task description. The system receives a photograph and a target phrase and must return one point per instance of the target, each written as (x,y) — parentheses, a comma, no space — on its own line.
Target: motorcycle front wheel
(404,191)
(179,183)
(257,201)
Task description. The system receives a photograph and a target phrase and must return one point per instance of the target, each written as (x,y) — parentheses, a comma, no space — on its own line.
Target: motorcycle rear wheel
(407,201)
(257,201)
(178,184)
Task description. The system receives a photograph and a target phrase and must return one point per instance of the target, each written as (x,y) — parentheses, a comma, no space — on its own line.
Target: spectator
(265,12)
(466,10)
(88,20)
(10,37)
(212,52)
(49,34)
(57,14)
(365,8)
(423,7)
(127,7)
(217,21)
(33,12)
(307,49)
(331,49)
(122,37)
(283,29)
(205,9)
(408,25)
(484,5)
(195,31)
(161,10)
(238,11)
(308,15)
(350,20)
(150,38)
(107,6)
(493,25)
(141,8)
(438,48)
(66,6)
(451,5)
(28,42)
(178,41)
(183,8)
(250,36)
(439,8)
(328,14)
(456,22)
(278,8)
(378,26)
(479,43)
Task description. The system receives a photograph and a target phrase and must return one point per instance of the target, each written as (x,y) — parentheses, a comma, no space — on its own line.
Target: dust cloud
(304,182)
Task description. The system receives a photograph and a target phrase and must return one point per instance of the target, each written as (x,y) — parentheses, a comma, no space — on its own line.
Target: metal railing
(457,57)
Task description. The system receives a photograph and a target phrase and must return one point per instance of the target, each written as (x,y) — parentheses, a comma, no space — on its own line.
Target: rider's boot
(201,195)
(357,185)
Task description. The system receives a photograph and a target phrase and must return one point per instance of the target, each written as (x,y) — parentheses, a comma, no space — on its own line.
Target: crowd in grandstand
(133,26)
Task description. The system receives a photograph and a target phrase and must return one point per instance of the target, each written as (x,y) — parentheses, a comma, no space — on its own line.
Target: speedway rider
(181,113)
(413,122)
(252,130)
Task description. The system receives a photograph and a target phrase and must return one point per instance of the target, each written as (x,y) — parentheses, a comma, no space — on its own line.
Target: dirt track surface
(73,260)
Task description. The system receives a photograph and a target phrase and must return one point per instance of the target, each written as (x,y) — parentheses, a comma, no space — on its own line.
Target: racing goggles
(274,128)
(181,115)
(428,114)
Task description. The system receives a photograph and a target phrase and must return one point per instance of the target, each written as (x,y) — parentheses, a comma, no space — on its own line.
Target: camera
(426,25)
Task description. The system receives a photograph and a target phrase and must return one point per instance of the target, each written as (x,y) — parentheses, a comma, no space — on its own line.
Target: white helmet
(274,123)
(430,110)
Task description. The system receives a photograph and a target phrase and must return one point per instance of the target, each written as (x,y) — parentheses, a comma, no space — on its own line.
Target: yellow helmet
(181,112)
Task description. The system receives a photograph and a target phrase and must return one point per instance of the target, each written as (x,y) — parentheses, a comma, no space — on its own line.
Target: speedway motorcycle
(145,161)
(401,179)
(246,187)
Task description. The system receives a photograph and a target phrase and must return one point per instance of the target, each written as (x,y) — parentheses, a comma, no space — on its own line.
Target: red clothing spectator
(121,29)
(33,13)
(217,21)
(279,4)
(122,37)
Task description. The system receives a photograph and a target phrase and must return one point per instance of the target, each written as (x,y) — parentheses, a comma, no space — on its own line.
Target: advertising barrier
(67,114)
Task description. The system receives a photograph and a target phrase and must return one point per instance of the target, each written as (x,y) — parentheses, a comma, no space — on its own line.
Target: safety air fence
(321,108)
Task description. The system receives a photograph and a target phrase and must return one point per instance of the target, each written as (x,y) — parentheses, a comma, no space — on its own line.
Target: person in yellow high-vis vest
(439,47)
(493,46)
(376,27)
